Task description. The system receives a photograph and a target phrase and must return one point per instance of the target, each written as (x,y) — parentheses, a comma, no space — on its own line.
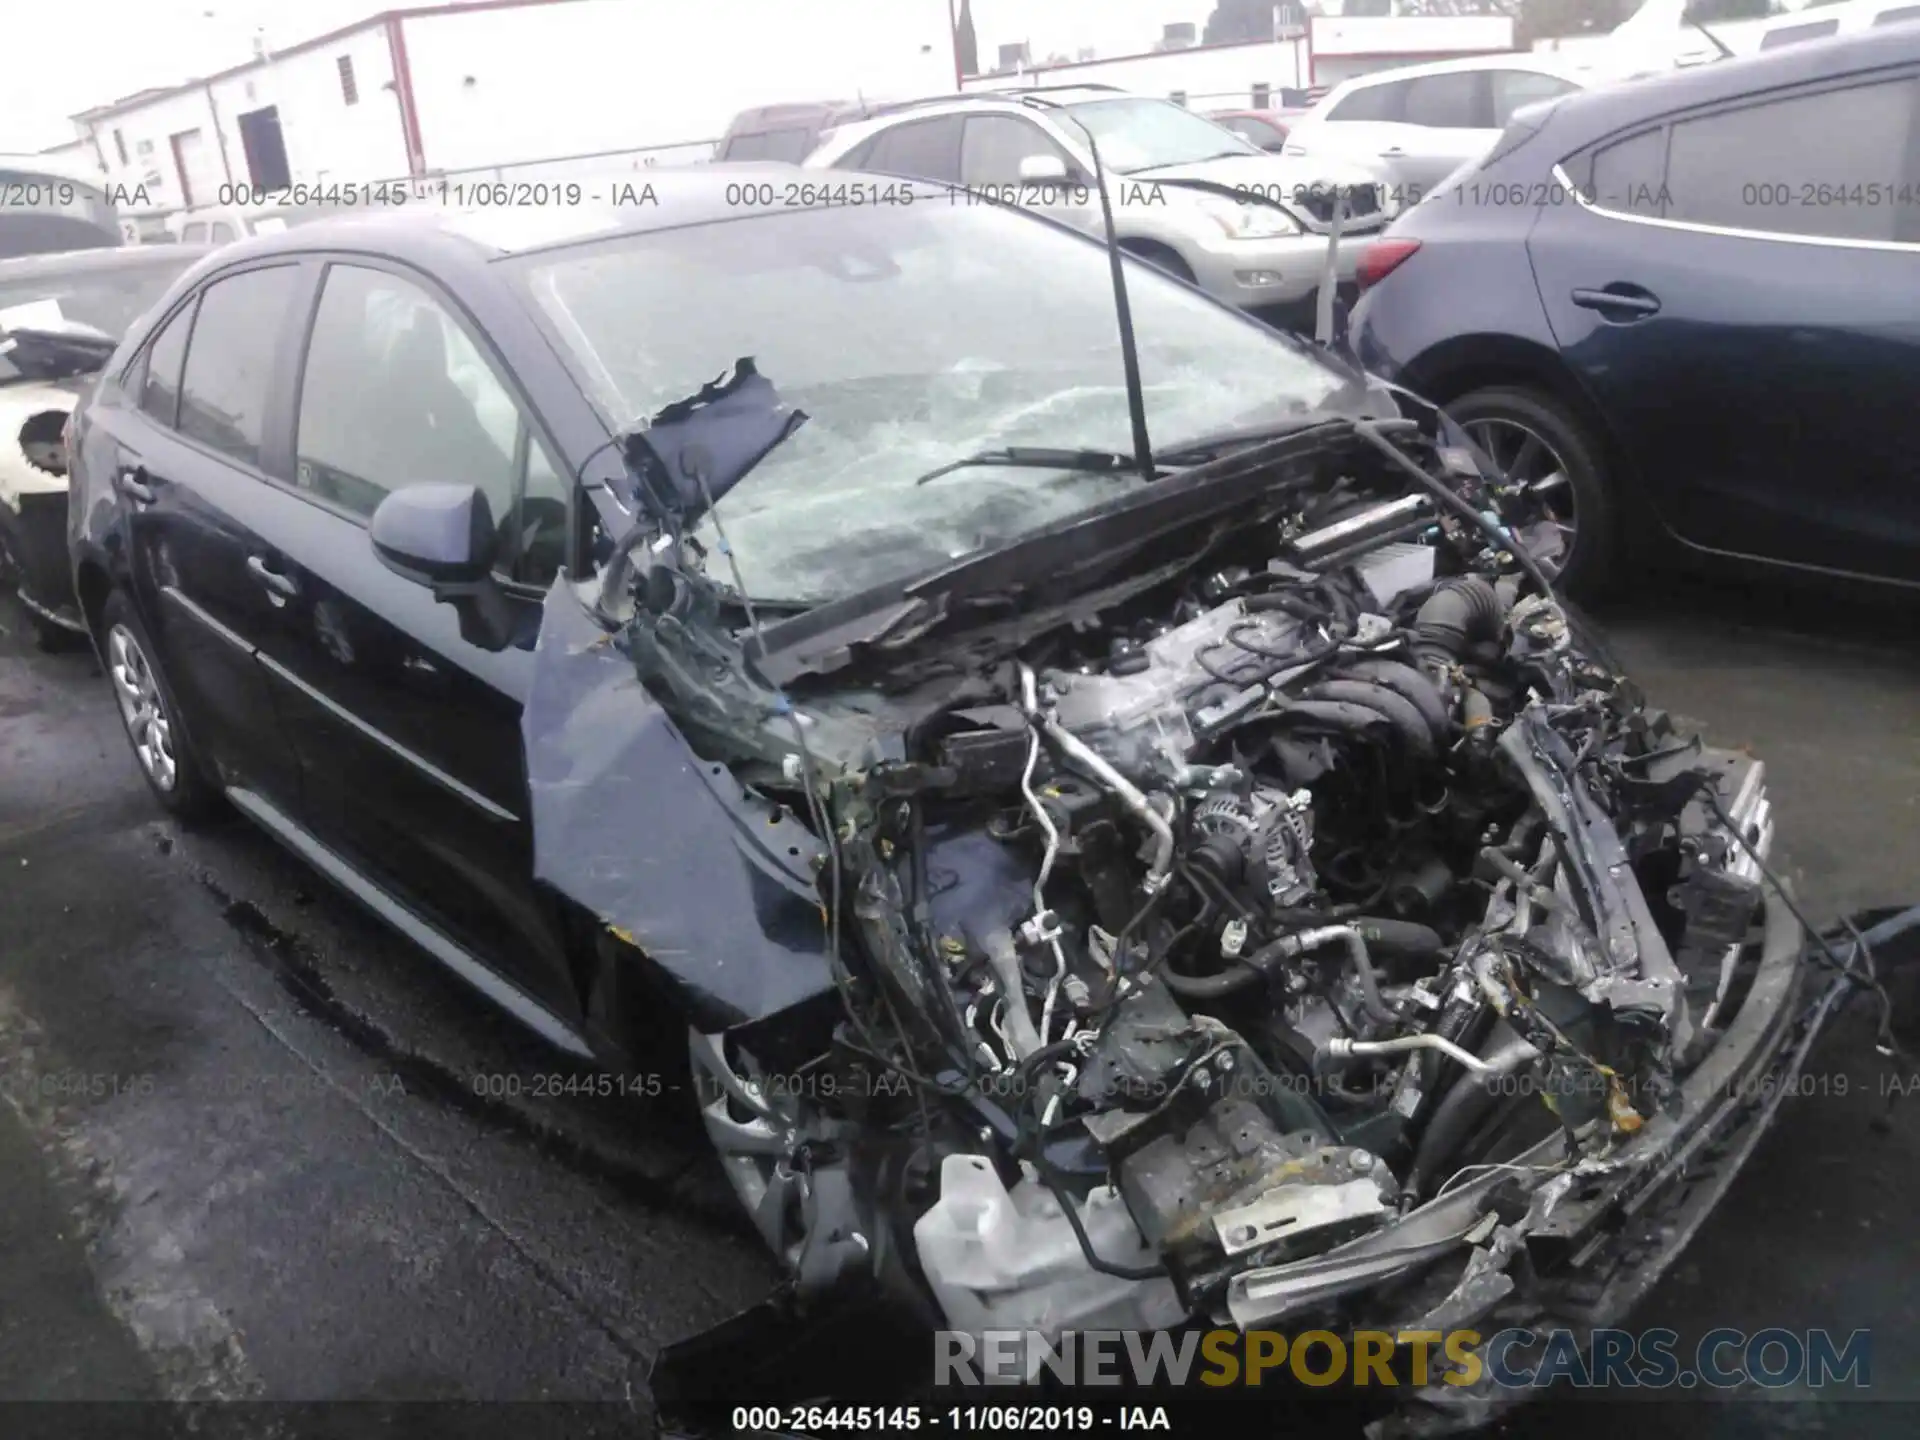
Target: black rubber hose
(1401,713)
(1211,987)
(1094,1261)
(1464,1106)
(1461,612)
(1247,970)
(1410,685)
(1402,939)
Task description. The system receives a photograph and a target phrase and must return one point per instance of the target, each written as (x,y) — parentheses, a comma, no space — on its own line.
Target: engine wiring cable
(843,979)
(1866,977)
(1374,434)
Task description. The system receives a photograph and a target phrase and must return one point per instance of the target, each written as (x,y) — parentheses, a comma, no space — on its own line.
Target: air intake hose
(1463,611)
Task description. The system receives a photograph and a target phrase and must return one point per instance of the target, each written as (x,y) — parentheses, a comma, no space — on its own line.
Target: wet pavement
(255,1147)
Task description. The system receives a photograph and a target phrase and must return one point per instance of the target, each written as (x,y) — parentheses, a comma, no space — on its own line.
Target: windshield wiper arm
(1206,447)
(1039,457)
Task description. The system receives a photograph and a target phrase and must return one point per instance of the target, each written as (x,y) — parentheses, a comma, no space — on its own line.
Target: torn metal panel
(714,887)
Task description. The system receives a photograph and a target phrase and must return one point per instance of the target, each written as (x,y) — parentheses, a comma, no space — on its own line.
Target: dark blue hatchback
(1684,312)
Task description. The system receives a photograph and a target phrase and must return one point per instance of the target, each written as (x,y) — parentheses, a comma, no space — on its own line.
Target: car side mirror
(443,537)
(1043,170)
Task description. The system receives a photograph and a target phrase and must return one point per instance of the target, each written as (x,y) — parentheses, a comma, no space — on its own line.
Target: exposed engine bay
(1196,932)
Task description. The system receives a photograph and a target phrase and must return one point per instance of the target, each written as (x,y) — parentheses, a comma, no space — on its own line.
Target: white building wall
(144,134)
(326,139)
(1218,77)
(1334,48)
(496,87)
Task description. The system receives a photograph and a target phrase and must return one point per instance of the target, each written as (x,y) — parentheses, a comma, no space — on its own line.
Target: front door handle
(135,483)
(1619,301)
(284,587)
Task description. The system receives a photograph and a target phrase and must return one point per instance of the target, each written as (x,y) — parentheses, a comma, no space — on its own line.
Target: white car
(1425,121)
(1247,227)
(61,317)
(223,224)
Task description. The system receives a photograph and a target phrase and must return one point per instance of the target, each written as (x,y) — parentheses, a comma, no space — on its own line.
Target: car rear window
(790,145)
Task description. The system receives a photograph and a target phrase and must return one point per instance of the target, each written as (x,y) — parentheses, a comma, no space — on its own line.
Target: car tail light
(1381,259)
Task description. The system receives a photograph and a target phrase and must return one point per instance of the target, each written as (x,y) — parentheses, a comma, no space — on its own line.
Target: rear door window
(1449,102)
(1777,166)
(229,371)
(919,149)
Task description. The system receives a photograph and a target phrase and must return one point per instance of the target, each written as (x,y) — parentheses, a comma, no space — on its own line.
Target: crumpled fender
(714,887)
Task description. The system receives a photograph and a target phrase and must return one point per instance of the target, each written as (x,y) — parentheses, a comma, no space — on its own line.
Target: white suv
(1247,227)
(1425,121)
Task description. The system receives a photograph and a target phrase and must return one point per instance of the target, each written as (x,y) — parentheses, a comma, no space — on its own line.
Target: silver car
(1424,121)
(1245,226)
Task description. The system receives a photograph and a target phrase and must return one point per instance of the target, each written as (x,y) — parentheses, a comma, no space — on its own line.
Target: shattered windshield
(911,336)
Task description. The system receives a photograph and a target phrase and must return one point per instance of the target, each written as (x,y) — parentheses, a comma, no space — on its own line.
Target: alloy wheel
(142,707)
(1536,494)
(758,1129)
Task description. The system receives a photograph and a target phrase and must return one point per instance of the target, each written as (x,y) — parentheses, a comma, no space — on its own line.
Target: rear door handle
(284,587)
(136,484)
(1619,301)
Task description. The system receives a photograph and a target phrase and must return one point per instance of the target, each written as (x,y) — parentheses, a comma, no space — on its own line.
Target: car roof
(793,114)
(1028,98)
(104,259)
(1544,62)
(1597,112)
(665,198)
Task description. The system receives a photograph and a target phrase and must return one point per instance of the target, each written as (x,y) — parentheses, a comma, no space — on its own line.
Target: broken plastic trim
(696,450)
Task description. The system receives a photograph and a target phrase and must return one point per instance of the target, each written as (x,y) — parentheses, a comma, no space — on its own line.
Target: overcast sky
(82,53)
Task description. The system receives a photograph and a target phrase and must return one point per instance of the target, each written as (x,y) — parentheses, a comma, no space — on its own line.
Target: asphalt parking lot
(254,1147)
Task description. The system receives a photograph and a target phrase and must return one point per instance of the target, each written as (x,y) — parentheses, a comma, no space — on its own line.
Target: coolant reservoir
(1008,1260)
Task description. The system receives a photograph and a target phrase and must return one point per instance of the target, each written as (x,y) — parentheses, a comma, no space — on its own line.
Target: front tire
(173,768)
(1558,496)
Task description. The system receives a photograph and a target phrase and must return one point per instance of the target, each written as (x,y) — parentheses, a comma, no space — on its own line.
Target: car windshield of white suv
(911,336)
(1135,133)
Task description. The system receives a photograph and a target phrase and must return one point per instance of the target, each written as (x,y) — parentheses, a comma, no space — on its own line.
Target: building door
(193,163)
(265,149)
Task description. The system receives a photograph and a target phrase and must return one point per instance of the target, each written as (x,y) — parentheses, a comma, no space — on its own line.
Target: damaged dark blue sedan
(1130,835)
